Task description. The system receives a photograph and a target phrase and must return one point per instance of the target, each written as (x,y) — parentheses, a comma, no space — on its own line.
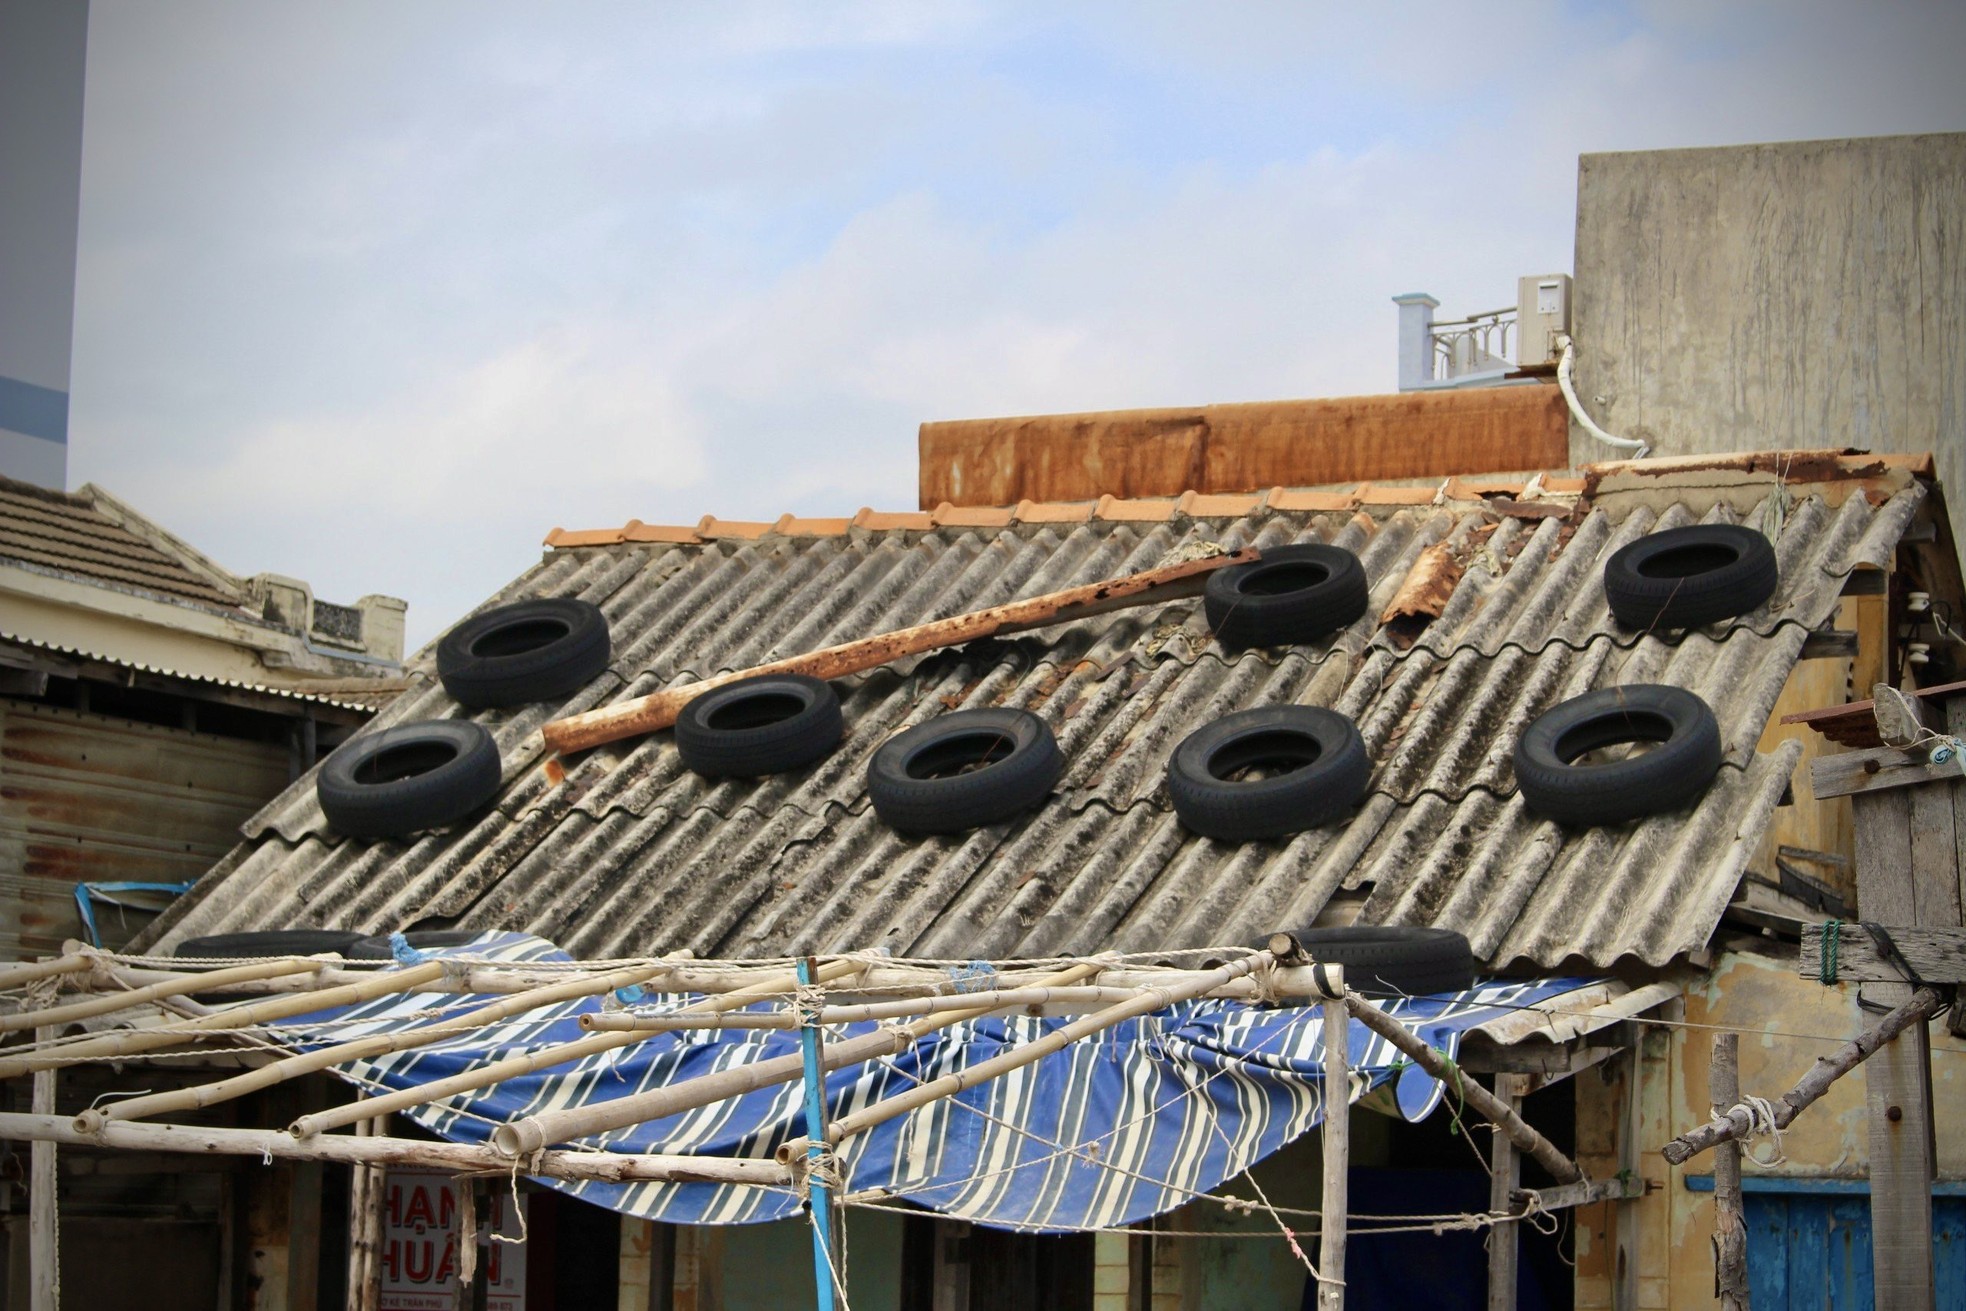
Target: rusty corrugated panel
(88,798)
(633,854)
(1243,447)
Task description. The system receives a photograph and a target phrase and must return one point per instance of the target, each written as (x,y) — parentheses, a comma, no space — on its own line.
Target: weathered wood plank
(1504,1174)
(1884,890)
(43,1248)
(1880,769)
(1898,1094)
(1938,955)
(658,710)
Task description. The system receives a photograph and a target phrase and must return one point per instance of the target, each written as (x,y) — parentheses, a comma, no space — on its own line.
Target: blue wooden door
(1811,1251)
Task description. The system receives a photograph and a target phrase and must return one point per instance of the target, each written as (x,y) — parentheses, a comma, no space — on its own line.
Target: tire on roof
(408,778)
(271,942)
(378,947)
(1310,768)
(963,770)
(1293,594)
(1557,784)
(1394,960)
(1685,577)
(758,726)
(524,652)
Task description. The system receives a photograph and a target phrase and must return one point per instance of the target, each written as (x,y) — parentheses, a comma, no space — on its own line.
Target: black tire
(1685,577)
(1321,751)
(275,942)
(523,652)
(377,946)
(1665,778)
(964,770)
(760,726)
(1395,961)
(408,778)
(1292,594)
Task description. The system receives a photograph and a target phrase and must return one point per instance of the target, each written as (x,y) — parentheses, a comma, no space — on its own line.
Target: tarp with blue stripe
(1113,1129)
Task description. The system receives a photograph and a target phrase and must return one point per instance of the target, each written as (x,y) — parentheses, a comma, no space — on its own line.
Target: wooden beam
(1730,1236)
(1937,955)
(1484,1103)
(1337,1164)
(1736,1123)
(651,713)
(1898,1095)
(1504,1176)
(367,1194)
(43,1197)
(606,1167)
(1828,644)
(1589,1193)
(1879,769)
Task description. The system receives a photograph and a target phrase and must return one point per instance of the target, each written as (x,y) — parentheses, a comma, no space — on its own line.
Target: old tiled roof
(1504,615)
(64,533)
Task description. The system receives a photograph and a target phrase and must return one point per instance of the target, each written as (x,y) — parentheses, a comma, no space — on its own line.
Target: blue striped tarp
(1115,1128)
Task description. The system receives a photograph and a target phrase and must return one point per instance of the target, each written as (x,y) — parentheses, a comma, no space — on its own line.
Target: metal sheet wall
(88,798)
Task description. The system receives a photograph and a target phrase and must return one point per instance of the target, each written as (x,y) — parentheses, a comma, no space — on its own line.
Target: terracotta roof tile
(710,527)
(1113,509)
(1204,505)
(887,521)
(1281,498)
(970,516)
(1054,512)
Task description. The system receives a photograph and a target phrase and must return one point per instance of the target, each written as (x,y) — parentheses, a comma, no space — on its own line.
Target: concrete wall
(1779,296)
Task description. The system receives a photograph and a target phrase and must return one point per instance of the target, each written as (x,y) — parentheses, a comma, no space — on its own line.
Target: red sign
(419,1245)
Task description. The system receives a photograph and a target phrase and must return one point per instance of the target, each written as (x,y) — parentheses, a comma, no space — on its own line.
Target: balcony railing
(1479,343)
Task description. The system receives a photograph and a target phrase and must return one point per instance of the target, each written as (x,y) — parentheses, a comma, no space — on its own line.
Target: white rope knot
(1268,982)
(818,1165)
(807,1002)
(1760,1114)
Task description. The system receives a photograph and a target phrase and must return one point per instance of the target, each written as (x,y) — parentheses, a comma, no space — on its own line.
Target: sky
(376,294)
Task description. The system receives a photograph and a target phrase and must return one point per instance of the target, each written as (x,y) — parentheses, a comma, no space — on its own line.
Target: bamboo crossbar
(1738,1123)
(523,1137)
(129,1042)
(513,1067)
(658,710)
(349,1149)
(15,976)
(1484,1103)
(176,985)
(1144,1003)
(293,1067)
(861,1013)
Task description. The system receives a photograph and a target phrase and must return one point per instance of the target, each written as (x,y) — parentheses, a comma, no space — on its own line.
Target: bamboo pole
(1737,1123)
(1730,1237)
(1485,1104)
(607,1167)
(43,1236)
(622,1022)
(15,976)
(1152,999)
(514,1066)
(523,1137)
(175,986)
(131,1041)
(367,1194)
(293,1067)
(657,711)
(1337,1149)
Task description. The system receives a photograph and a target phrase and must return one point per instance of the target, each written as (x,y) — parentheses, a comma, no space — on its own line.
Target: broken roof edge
(1610,485)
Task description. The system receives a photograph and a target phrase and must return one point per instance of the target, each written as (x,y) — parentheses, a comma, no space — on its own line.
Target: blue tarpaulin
(1113,1129)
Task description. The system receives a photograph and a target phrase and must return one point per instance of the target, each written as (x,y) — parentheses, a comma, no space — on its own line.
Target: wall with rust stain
(1242,448)
(1810,293)
(1786,1023)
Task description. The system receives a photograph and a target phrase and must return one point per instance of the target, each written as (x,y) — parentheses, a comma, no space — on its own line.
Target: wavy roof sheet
(632,854)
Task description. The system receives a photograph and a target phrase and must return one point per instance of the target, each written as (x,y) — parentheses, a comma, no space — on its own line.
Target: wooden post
(1902,875)
(304,1217)
(1337,1154)
(1505,1174)
(1730,1229)
(367,1194)
(43,1241)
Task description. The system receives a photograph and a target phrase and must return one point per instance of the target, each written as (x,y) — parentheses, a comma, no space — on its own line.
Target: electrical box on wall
(1542,311)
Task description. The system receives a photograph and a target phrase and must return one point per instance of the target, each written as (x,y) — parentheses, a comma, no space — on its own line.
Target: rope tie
(808,1000)
(1268,981)
(1832,943)
(1761,1124)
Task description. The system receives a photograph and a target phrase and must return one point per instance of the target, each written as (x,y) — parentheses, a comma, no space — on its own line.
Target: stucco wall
(1777,296)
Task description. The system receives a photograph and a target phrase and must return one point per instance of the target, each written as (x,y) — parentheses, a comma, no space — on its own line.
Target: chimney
(1416,341)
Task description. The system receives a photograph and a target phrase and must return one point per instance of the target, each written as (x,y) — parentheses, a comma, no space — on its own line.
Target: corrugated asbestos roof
(633,855)
(366,695)
(62,533)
